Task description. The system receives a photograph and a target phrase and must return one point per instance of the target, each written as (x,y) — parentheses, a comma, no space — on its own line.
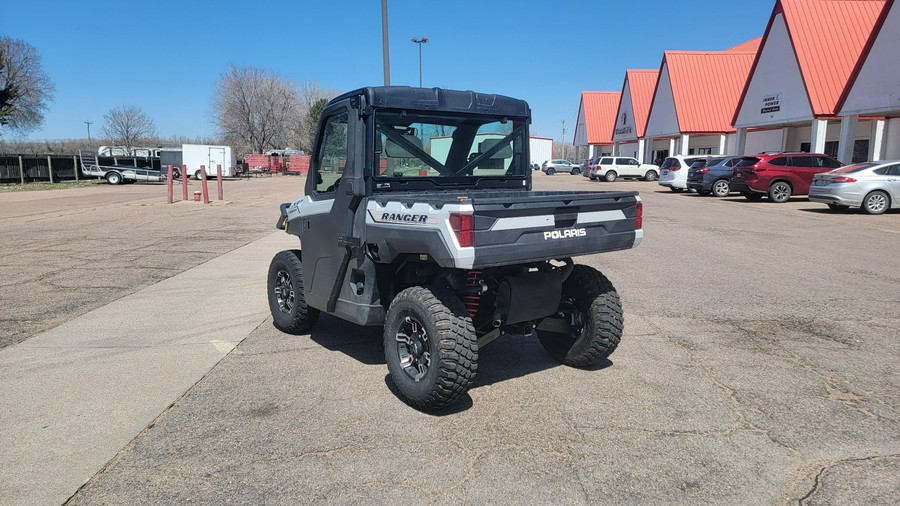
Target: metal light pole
(90,143)
(384,43)
(564,140)
(421,41)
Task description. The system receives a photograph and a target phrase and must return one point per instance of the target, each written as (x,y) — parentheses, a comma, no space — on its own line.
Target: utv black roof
(438,99)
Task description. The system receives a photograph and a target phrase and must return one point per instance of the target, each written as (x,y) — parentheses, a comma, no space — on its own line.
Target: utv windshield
(443,149)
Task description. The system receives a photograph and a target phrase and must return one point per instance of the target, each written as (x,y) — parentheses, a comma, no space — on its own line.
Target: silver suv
(552,166)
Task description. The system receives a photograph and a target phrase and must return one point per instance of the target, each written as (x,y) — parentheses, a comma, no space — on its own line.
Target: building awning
(874,84)
(634,105)
(802,67)
(596,116)
(697,92)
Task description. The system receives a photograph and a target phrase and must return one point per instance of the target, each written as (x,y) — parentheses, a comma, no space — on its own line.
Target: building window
(700,151)
(831,148)
(860,151)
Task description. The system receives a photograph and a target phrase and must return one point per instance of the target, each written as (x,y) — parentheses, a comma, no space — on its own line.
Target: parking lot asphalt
(759,365)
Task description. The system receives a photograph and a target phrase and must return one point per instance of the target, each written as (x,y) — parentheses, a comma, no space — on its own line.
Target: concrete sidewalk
(74,396)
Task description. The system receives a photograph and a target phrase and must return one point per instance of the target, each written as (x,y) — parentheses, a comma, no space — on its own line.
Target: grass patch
(44,185)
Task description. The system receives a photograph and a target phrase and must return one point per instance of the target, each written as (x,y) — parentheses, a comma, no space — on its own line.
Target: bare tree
(25,89)
(313,98)
(255,110)
(128,125)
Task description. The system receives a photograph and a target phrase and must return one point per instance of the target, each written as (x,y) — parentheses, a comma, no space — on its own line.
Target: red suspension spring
(472,298)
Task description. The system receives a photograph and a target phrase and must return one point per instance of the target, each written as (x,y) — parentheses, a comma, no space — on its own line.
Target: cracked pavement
(759,365)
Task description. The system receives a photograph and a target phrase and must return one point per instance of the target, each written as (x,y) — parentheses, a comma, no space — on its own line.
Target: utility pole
(564,140)
(421,41)
(384,43)
(89,123)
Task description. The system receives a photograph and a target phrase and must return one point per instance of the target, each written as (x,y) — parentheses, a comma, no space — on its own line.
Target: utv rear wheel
(779,192)
(286,300)
(430,347)
(588,321)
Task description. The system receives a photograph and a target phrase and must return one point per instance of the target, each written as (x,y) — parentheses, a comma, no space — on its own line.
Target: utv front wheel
(430,347)
(588,325)
(286,300)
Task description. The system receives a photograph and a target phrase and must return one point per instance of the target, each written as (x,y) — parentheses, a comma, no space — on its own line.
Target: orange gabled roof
(641,84)
(706,87)
(751,46)
(600,115)
(828,37)
(864,55)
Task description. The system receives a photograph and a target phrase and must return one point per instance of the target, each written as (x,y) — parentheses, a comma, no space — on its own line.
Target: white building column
(616,148)
(847,138)
(641,155)
(685,144)
(877,144)
(817,139)
(740,143)
(672,151)
(723,139)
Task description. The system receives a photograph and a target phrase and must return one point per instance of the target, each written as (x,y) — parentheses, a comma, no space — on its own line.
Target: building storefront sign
(771,103)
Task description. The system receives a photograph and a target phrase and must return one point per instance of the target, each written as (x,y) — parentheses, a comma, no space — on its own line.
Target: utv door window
(332,156)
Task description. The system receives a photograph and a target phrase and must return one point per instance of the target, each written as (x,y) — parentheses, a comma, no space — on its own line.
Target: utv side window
(332,155)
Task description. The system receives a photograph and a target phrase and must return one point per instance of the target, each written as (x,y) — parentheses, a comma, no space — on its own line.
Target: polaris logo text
(565,234)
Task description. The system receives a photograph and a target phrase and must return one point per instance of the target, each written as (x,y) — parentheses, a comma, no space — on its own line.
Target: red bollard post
(204,187)
(170,183)
(184,191)
(219,180)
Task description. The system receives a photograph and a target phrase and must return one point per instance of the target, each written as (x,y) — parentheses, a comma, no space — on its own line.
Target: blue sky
(165,56)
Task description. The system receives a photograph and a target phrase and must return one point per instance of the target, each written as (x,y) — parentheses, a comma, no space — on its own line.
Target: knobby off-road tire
(286,300)
(592,303)
(430,347)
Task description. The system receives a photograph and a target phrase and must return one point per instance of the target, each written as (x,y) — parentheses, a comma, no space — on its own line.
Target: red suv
(779,175)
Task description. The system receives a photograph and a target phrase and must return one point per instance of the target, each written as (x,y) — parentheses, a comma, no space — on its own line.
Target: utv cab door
(328,216)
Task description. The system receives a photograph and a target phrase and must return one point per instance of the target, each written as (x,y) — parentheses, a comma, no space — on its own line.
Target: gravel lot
(759,365)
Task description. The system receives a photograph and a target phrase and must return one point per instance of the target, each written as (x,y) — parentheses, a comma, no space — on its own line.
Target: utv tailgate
(509,227)
(545,225)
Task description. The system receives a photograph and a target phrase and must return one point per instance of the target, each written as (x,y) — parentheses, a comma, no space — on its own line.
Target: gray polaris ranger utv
(419,216)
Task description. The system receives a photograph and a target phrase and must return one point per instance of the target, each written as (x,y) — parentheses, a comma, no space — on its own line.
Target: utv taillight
(463,226)
(639,216)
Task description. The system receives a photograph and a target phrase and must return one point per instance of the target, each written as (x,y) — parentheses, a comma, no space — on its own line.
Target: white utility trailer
(193,156)
(116,174)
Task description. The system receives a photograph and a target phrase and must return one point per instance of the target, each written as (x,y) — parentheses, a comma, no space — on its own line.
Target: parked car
(608,168)
(779,175)
(673,171)
(872,186)
(712,175)
(552,166)
(589,165)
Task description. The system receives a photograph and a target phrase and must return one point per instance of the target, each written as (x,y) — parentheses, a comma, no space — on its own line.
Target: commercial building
(695,99)
(631,116)
(874,90)
(808,52)
(596,116)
